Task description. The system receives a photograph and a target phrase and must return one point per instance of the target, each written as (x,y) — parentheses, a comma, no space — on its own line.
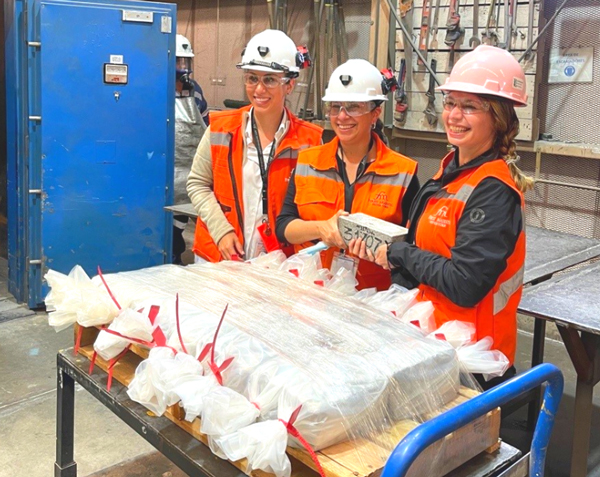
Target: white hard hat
(183,47)
(271,51)
(356,80)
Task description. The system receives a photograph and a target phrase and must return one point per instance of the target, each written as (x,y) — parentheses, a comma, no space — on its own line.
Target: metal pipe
(407,37)
(568,184)
(534,42)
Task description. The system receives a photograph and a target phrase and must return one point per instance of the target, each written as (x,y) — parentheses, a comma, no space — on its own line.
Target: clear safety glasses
(268,81)
(354,109)
(467,106)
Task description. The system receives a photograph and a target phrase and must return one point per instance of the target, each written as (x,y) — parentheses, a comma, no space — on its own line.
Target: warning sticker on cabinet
(115,74)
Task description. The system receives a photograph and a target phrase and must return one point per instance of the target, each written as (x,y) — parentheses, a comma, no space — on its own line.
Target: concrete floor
(106,447)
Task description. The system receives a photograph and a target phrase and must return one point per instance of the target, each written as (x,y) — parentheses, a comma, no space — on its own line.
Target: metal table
(549,252)
(181,448)
(571,302)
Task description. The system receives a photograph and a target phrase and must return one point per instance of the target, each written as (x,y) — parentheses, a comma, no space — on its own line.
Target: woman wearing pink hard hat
(466,244)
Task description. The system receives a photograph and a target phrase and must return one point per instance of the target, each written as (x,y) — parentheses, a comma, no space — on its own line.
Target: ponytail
(507,128)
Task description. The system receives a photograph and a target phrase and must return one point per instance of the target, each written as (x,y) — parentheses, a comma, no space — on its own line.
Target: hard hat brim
(475,89)
(265,69)
(359,98)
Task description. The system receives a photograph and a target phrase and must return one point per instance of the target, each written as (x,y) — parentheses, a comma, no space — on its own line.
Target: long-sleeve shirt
(481,248)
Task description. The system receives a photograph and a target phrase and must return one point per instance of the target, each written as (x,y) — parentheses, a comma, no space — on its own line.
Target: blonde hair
(506,124)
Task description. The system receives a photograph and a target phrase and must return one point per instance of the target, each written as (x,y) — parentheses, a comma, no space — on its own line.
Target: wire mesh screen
(571,111)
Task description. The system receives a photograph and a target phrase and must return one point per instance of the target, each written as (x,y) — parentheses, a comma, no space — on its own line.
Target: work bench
(185,451)
(571,301)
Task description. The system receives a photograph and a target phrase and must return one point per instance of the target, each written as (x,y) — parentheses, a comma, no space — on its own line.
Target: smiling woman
(244,160)
(466,243)
(355,172)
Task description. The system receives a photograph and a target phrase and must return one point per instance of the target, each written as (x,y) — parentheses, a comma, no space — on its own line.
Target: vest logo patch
(477,215)
(380,200)
(440,218)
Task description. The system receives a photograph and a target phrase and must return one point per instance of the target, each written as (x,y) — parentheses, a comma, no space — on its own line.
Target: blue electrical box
(90,115)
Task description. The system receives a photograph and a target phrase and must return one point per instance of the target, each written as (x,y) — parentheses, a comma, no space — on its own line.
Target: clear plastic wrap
(350,367)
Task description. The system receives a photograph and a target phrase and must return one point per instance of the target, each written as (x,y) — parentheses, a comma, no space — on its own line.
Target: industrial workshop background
(566,112)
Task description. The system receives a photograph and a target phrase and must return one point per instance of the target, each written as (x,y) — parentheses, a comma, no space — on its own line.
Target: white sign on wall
(571,65)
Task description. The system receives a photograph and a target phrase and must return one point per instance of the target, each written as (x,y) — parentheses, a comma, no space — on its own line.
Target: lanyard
(261,162)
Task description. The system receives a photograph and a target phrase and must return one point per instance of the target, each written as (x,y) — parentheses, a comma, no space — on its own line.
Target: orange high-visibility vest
(227,151)
(496,314)
(379,193)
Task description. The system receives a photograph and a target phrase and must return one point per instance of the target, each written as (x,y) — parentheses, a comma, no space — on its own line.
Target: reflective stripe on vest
(462,195)
(398,180)
(507,289)
(219,139)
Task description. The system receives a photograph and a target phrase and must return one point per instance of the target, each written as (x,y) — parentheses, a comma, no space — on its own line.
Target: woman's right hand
(329,232)
(230,245)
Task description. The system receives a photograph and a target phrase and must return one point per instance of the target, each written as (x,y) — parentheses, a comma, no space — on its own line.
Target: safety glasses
(268,81)
(354,109)
(467,106)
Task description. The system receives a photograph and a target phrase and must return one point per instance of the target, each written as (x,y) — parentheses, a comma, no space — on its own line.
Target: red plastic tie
(108,289)
(93,362)
(255,405)
(217,370)
(294,432)
(320,283)
(204,352)
(417,323)
(177,323)
(78,340)
(153,313)
(295,272)
(111,366)
(440,336)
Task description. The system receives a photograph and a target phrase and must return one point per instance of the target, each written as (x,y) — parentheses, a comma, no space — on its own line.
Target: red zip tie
(153,313)
(92,362)
(255,405)
(204,352)
(295,272)
(217,370)
(320,283)
(294,432)
(108,289)
(78,340)
(416,323)
(149,344)
(440,336)
(111,366)
(177,323)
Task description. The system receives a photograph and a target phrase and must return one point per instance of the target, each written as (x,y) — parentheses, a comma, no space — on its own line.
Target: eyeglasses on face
(354,109)
(467,106)
(268,81)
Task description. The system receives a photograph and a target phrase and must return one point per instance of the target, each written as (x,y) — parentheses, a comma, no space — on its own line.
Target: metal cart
(531,464)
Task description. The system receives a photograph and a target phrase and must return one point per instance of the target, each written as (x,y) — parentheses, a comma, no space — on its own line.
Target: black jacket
(481,249)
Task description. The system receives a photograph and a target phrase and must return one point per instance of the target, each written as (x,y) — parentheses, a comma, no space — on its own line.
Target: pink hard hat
(488,70)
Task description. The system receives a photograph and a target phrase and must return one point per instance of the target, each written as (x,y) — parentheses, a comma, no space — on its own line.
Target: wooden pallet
(347,459)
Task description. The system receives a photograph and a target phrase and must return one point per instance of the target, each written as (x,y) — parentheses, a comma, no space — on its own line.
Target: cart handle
(440,426)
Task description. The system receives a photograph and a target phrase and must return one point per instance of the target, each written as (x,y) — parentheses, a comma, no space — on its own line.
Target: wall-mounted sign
(571,65)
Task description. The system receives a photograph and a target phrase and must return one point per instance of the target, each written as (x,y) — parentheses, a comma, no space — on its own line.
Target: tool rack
(431,38)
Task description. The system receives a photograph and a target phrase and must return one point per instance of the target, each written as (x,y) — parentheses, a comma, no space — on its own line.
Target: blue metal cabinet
(91,149)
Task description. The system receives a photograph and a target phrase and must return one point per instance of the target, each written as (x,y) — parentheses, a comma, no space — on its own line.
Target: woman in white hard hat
(191,116)
(466,242)
(355,172)
(243,164)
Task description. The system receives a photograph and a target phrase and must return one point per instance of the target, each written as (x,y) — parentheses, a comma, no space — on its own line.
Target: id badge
(341,260)
(268,237)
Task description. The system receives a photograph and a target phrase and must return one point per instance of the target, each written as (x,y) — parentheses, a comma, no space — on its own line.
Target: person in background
(186,86)
(243,164)
(190,110)
(355,172)
(466,244)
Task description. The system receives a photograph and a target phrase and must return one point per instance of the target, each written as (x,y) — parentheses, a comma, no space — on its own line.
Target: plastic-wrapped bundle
(128,323)
(359,369)
(75,298)
(343,368)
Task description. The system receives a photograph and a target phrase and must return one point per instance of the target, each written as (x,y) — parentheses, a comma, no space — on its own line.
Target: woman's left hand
(359,248)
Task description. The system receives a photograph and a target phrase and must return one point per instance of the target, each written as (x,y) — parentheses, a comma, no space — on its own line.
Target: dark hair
(378,128)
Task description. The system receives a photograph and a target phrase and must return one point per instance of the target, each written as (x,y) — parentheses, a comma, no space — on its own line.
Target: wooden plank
(358,458)
(466,16)
(416,121)
(417,101)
